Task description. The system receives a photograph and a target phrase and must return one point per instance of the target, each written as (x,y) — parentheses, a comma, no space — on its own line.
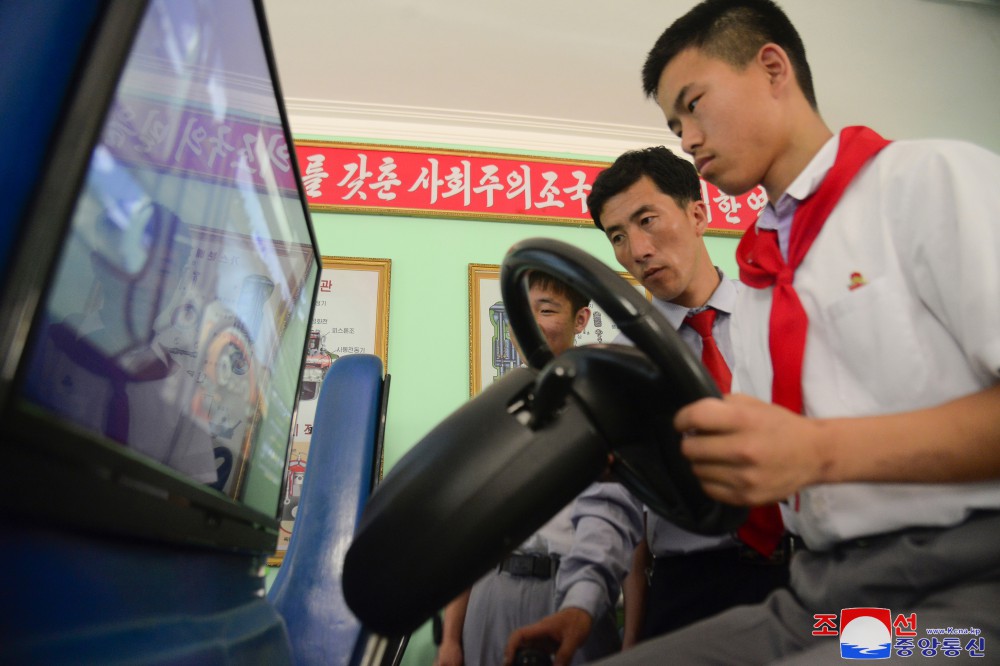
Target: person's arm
(450,651)
(634,588)
(607,521)
(749,452)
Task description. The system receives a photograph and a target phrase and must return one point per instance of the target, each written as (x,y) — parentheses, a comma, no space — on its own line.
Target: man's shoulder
(917,155)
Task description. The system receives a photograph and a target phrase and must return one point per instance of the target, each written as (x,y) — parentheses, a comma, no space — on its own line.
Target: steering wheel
(493,472)
(646,447)
(635,316)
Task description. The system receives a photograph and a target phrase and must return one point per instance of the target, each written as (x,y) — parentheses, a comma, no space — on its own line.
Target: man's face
(727,118)
(656,240)
(556,318)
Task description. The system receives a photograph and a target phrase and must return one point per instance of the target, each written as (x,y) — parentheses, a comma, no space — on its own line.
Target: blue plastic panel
(338,481)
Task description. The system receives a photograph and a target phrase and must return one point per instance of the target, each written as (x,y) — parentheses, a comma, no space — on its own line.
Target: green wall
(428,354)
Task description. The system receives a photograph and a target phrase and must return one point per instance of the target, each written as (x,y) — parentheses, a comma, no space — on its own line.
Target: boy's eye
(692,104)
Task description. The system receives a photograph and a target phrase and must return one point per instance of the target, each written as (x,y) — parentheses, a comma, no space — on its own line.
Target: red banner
(428,182)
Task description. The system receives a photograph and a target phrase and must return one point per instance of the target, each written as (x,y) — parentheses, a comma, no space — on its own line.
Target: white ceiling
(906,67)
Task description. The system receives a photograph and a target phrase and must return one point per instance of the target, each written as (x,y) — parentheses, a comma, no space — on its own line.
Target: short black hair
(734,31)
(673,175)
(547,282)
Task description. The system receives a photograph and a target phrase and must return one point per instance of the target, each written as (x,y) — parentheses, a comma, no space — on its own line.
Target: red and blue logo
(865,633)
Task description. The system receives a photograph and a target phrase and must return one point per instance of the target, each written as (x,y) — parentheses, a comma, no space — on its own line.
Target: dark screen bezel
(55,471)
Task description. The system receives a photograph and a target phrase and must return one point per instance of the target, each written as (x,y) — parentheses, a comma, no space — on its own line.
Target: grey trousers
(501,603)
(950,578)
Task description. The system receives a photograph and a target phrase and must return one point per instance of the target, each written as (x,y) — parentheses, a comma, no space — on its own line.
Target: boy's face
(727,118)
(656,240)
(555,317)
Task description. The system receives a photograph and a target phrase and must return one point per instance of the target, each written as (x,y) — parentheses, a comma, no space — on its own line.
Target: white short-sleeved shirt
(902,291)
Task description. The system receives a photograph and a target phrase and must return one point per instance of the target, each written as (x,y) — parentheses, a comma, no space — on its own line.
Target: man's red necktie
(761,263)
(763,529)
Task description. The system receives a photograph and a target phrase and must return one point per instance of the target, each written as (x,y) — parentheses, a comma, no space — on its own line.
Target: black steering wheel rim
(528,445)
(646,450)
(635,316)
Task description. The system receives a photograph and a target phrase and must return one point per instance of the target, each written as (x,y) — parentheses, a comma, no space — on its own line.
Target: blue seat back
(340,472)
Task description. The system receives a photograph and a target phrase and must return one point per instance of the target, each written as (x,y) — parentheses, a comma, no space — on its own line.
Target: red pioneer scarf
(761,263)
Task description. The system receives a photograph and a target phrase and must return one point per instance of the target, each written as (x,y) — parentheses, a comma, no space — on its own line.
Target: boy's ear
(582,317)
(775,63)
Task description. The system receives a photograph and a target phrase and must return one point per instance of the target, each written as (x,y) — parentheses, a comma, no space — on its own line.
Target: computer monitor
(155,304)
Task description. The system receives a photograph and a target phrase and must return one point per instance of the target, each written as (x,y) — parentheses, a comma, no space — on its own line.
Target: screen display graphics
(175,322)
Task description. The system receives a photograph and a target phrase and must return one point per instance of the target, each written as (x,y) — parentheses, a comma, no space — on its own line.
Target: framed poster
(492,353)
(351,316)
